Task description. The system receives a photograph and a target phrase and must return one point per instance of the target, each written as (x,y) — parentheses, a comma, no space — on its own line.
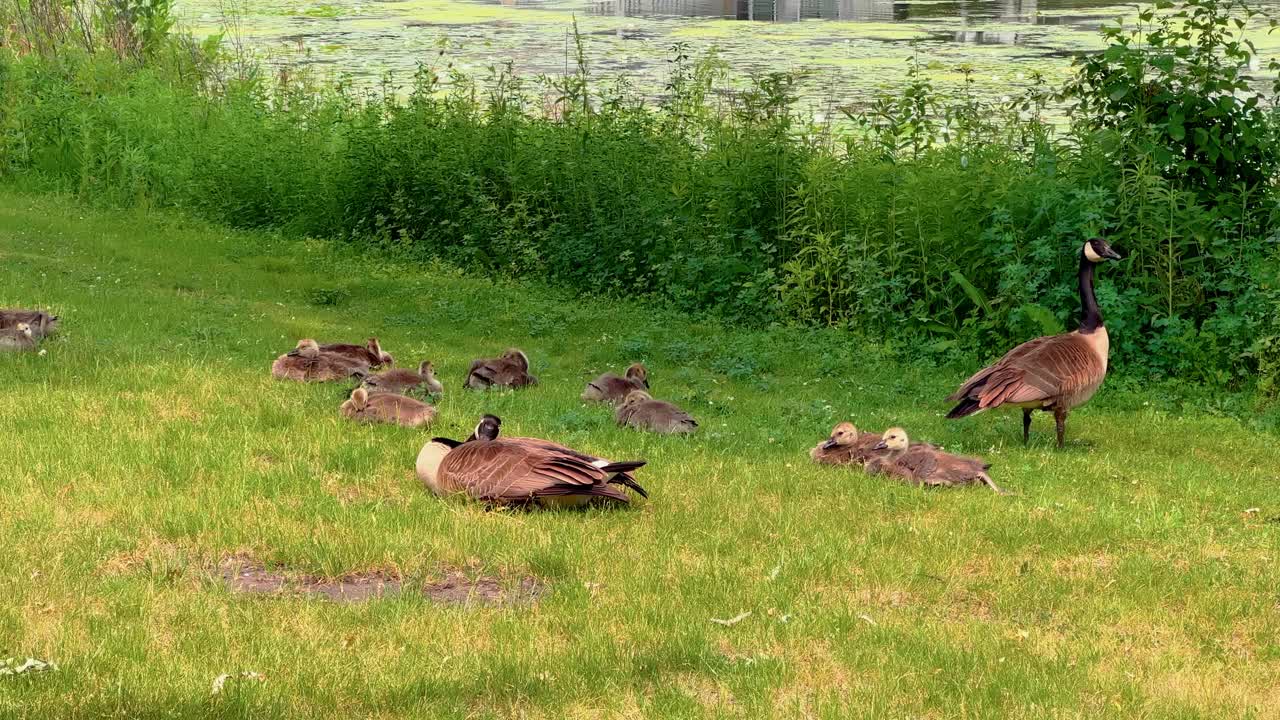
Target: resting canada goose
(370,355)
(924,464)
(642,412)
(490,425)
(403,381)
(845,446)
(306,363)
(613,389)
(1054,373)
(505,470)
(16,338)
(511,369)
(387,408)
(40,322)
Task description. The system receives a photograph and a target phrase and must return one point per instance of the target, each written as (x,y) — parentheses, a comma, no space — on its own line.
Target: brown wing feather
(862,450)
(502,470)
(1038,370)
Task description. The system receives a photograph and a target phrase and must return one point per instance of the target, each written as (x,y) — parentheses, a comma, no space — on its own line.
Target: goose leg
(1060,417)
(1026,425)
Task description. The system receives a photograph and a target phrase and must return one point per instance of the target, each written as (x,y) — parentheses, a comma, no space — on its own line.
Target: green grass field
(1133,576)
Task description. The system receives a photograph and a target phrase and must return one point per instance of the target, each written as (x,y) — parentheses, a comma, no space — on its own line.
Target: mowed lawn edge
(1132,575)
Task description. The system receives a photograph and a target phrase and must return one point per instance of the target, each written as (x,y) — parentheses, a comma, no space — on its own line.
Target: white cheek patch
(1089,253)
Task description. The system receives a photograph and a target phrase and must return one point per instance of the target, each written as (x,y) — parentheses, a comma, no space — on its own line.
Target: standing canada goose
(1054,373)
(613,389)
(490,425)
(404,381)
(17,338)
(507,471)
(387,408)
(511,369)
(642,412)
(924,464)
(40,322)
(370,355)
(306,363)
(845,446)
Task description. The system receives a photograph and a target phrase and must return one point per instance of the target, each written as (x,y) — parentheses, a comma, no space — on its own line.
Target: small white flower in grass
(42,352)
(10,666)
(220,682)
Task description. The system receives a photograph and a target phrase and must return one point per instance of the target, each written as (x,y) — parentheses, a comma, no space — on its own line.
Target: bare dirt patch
(248,576)
(251,577)
(455,588)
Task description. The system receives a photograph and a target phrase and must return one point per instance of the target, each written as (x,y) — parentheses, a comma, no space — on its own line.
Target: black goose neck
(1090,315)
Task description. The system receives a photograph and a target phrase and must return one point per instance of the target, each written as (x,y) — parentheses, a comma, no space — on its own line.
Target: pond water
(849,50)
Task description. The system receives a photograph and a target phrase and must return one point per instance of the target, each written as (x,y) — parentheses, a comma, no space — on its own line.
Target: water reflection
(1011,11)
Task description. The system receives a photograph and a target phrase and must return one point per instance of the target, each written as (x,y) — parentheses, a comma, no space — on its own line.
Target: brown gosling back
(610,388)
(642,412)
(511,369)
(845,446)
(401,380)
(387,408)
(306,363)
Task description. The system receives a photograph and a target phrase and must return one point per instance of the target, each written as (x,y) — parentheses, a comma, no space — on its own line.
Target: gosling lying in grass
(925,464)
(845,446)
(41,323)
(511,369)
(387,408)
(642,412)
(17,338)
(306,363)
(403,381)
(613,389)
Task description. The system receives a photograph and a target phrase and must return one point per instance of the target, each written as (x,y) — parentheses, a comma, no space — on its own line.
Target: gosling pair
(894,455)
(313,362)
(384,398)
(636,408)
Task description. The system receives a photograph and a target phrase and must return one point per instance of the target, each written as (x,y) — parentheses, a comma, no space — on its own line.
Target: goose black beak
(1104,249)
(830,443)
(881,445)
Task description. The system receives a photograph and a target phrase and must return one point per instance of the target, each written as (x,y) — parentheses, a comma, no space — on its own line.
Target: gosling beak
(881,445)
(830,443)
